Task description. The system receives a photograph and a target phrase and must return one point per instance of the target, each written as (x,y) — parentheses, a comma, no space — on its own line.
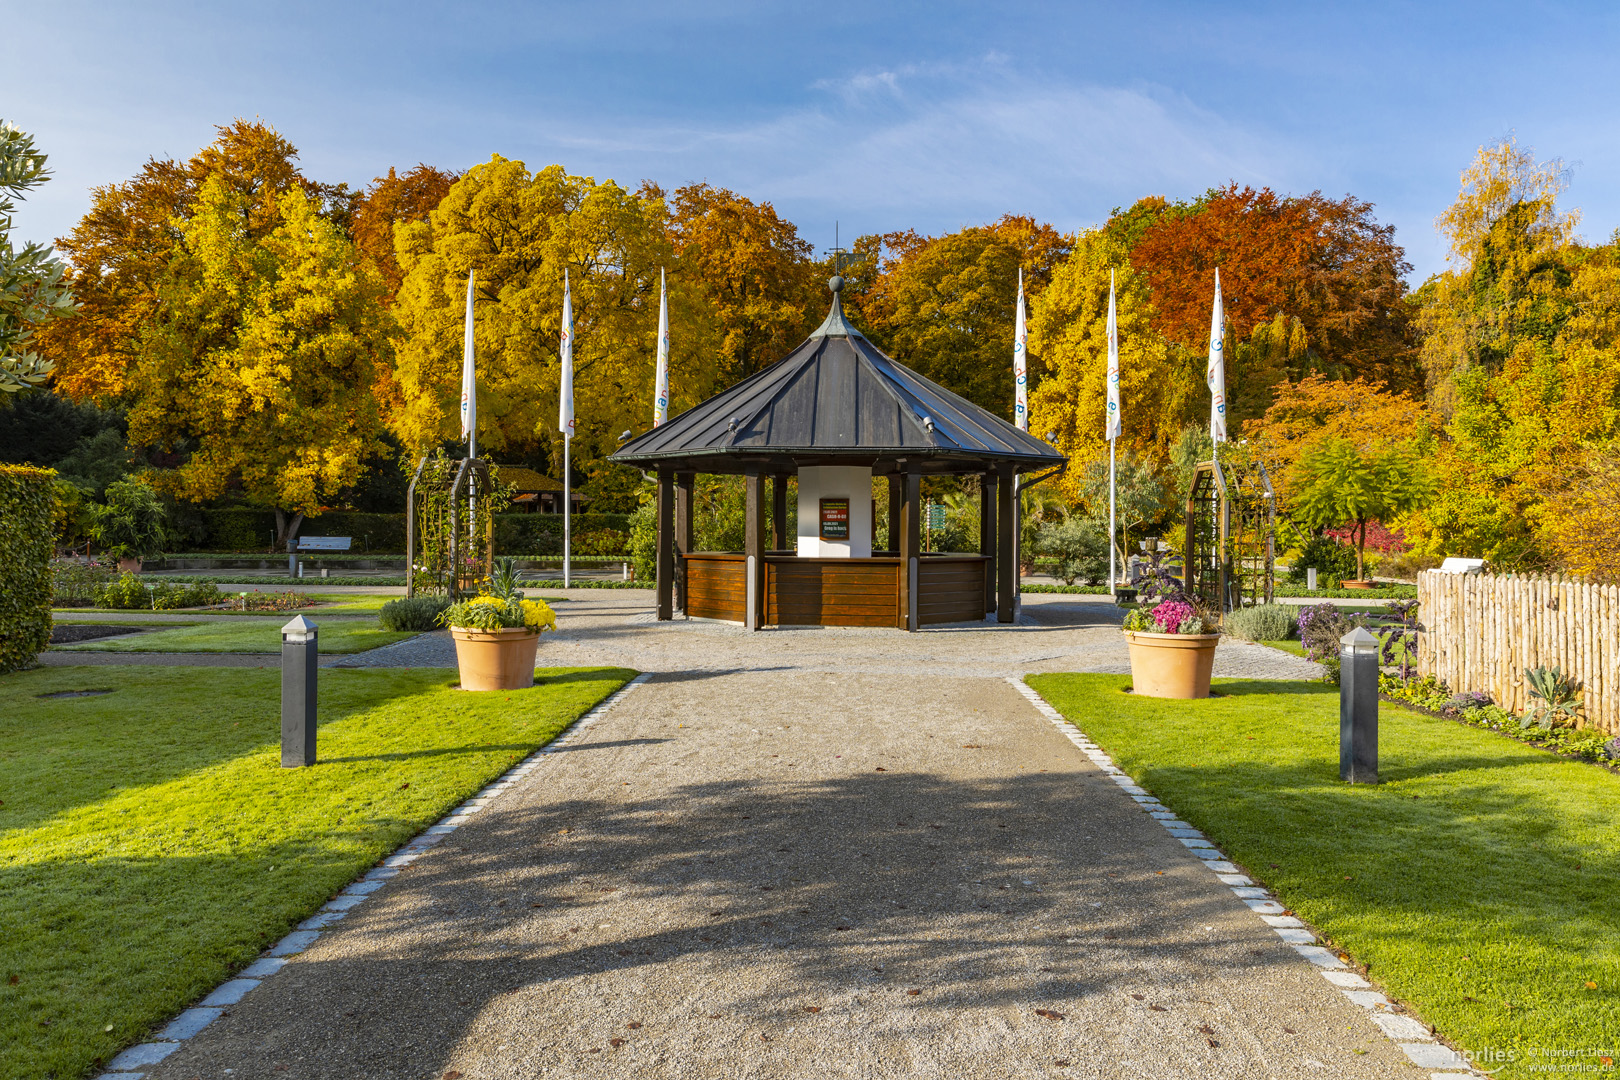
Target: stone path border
(126,1065)
(1414,1039)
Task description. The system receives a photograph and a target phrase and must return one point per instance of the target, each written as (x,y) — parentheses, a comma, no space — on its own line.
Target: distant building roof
(838,399)
(525,480)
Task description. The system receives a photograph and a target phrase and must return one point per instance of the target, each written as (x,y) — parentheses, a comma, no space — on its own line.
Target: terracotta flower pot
(495,659)
(1354,583)
(129,566)
(1171,665)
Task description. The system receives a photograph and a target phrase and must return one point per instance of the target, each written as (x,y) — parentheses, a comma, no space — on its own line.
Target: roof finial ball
(836,284)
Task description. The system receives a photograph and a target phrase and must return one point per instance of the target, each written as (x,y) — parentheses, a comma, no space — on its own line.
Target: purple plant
(1170,614)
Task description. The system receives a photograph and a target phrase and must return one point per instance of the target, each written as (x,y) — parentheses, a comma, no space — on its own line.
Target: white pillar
(823,486)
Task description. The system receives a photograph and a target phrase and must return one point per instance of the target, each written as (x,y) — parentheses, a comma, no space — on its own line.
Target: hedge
(515,534)
(27,535)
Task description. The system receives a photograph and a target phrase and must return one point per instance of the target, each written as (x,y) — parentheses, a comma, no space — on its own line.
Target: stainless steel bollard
(1358,707)
(299,666)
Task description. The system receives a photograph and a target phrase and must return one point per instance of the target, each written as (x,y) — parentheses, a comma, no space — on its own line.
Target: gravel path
(1057,633)
(772,874)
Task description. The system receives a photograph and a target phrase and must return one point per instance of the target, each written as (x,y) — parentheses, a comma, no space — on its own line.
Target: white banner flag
(565,402)
(1113,365)
(1021,363)
(661,382)
(469,385)
(1216,375)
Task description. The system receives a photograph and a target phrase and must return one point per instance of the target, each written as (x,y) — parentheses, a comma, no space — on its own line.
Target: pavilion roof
(837,400)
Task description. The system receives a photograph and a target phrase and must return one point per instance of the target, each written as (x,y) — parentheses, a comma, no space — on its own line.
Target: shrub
(1080,548)
(1267,622)
(1333,562)
(27,505)
(1320,628)
(167,595)
(415,613)
(132,523)
(599,542)
(125,592)
(77,581)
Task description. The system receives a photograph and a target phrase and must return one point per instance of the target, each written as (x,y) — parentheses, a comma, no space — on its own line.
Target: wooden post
(683,534)
(987,538)
(1006,552)
(664,560)
(894,513)
(778,512)
(754,551)
(910,527)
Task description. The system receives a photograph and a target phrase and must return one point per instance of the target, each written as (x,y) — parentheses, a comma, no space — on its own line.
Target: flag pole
(1112,431)
(1021,417)
(565,422)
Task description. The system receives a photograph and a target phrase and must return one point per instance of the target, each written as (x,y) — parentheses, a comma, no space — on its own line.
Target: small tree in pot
(1341,484)
(130,525)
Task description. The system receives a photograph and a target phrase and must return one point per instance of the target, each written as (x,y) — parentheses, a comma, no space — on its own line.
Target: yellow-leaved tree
(1161,383)
(518,230)
(257,371)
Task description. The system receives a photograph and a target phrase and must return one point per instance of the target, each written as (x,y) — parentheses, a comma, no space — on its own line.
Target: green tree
(260,370)
(32,290)
(130,524)
(1341,484)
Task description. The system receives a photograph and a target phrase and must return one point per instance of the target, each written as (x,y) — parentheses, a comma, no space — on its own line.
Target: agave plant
(1558,694)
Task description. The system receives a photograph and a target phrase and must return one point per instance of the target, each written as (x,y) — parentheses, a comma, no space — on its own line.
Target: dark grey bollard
(299,666)
(1358,707)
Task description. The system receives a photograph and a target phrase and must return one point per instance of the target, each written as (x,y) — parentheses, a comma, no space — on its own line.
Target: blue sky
(880,116)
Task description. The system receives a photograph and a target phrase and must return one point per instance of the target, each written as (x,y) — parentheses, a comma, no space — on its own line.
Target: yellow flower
(537,615)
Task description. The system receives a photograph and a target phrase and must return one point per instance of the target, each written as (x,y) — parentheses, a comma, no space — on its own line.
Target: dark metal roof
(837,400)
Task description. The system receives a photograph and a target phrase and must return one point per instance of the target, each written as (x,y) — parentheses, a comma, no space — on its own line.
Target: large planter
(495,659)
(129,566)
(1354,583)
(1171,665)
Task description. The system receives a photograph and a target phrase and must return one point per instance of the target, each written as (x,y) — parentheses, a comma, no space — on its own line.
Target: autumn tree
(1324,263)
(32,292)
(756,276)
(1161,382)
(1522,352)
(388,202)
(520,230)
(121,249)
(944,305)
(259,364)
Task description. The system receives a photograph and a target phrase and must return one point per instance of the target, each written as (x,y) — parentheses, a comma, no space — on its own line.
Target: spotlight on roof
(625,434)
(733,425)
(1051,437)
(928,422)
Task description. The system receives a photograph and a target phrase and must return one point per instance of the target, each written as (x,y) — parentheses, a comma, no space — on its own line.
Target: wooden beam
(910,528)
(1006,554)
(664,560)
(754,550)
(987,537)
(779,512)
(683,534)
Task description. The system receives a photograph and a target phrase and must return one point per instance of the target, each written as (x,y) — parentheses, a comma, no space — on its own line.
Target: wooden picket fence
(1481,631)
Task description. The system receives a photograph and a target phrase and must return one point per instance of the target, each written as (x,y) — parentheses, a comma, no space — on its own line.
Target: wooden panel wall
(1481,631)
(950,590)
(716,587)
(832,592)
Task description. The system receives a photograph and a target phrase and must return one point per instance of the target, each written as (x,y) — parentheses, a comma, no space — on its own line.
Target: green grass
(1480,882)
(151,844)
(246,636)
(1289,646)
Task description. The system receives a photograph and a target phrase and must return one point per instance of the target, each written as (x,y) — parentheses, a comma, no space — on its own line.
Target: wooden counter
(835,592)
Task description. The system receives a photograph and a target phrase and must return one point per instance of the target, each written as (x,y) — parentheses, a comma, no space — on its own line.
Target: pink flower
(1170,614)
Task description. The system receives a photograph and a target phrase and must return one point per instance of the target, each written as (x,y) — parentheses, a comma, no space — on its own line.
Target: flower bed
(1477,710)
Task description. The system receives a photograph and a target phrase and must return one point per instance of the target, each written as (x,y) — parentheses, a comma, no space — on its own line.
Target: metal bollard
(1358,707)
(299,667)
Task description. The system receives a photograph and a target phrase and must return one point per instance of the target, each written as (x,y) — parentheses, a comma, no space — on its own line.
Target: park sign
(835,519)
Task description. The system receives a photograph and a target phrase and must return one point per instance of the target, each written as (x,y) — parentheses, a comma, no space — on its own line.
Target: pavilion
(837,412)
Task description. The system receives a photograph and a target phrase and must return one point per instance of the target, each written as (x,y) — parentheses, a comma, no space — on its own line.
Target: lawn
(151,844)
(246,636)
(1478,882)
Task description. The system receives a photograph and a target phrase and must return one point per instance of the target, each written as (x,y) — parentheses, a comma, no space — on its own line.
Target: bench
(324,543)
(1462,566)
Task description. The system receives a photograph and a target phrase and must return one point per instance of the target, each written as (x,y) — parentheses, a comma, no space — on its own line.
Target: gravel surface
(1057,633)
(785,874)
